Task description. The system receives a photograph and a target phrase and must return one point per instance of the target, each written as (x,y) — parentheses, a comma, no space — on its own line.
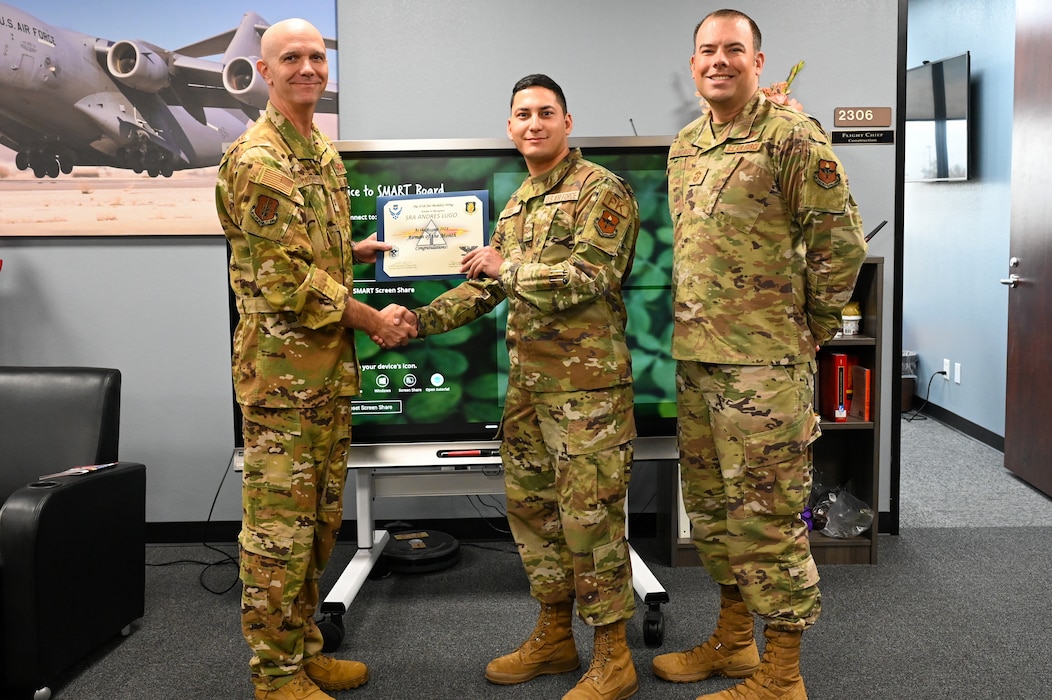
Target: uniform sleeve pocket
(273,204)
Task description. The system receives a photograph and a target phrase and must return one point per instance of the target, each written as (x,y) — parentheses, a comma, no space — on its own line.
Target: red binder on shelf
(834,375)
(860,401)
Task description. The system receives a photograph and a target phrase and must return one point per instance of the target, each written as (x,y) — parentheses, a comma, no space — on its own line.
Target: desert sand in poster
(107,202)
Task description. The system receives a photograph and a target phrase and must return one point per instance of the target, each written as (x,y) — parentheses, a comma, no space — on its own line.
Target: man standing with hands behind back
(767,247)
(561,249)
(281,198)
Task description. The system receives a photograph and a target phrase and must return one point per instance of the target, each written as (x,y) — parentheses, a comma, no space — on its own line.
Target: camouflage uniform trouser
(745,459)
(567,461)
(292,501)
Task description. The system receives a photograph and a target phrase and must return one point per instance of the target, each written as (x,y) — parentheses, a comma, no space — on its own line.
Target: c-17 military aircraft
(70,99)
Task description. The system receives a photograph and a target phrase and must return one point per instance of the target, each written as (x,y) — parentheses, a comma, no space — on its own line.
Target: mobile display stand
(466,469)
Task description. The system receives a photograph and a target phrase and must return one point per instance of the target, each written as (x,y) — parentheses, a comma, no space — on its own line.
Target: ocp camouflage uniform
(568,240)
(767,247)
(284,209)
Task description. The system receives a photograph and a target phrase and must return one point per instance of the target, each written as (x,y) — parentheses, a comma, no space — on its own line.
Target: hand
(365,250)
(482,261)
(398,325)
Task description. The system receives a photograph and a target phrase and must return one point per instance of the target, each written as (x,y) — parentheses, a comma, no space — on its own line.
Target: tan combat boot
(612,676)
(549,649)
(299,687)
(778,677)
(335,674)
(730,651)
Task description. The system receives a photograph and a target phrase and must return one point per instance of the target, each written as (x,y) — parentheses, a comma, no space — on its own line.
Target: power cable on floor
(916,413)
(208,565)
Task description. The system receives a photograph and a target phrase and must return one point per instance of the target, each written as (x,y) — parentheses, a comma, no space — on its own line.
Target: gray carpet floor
(955,608)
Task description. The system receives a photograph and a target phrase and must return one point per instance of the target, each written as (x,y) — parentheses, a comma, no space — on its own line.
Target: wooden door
(1028,438)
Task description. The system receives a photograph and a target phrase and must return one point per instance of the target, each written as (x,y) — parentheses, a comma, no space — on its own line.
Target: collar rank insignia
(826,175)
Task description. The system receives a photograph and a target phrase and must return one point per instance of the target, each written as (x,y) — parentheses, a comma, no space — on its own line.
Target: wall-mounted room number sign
(862,116)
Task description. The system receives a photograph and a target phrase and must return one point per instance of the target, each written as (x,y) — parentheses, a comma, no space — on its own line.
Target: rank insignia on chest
(266,210)
(826,174)
(607,223)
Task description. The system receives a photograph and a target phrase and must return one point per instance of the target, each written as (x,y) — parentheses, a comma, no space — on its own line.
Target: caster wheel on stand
(332,632)
(654,626)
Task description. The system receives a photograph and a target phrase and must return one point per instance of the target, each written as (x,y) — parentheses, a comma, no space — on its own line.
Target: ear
(510,137)
(264,71)
(760,58)
(569,124)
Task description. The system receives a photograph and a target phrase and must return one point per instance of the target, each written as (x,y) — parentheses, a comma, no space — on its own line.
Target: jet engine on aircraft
(243,81)
(138,65)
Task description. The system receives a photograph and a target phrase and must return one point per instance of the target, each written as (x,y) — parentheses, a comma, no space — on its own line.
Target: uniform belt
(254,305)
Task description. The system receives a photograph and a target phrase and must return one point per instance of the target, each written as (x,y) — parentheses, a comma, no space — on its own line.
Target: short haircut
(539,80)
(757,39)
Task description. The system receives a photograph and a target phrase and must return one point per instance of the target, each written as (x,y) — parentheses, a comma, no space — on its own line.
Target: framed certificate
(430,233)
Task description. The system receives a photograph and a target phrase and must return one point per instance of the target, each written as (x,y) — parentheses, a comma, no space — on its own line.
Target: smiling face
(295,66)
(540,128)
(725,65)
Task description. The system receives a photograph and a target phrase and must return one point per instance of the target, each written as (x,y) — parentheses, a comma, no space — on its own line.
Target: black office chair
(72,547)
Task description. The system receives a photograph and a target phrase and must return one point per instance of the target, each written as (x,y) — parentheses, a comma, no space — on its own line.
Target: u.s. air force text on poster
(431,233)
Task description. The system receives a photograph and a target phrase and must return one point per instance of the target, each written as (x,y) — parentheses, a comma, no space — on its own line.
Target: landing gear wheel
(654,626)
(331,632)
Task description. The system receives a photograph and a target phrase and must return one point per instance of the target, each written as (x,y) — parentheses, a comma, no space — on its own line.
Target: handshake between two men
(395,324)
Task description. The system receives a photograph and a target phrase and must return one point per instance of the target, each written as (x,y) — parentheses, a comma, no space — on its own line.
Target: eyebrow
(729,45)
(542,107)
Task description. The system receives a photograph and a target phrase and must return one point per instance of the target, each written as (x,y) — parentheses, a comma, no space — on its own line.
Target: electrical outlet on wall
(946,369)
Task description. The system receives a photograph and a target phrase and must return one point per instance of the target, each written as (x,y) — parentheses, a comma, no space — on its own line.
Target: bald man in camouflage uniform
(282,202)
(767,247)
(562,247)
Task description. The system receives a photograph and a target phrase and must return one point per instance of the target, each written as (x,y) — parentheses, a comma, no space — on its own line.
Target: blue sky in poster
(172,24)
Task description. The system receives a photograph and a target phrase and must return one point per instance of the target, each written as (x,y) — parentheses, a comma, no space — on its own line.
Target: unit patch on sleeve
(826,174)
(265,212)
(607,223)
(615,210)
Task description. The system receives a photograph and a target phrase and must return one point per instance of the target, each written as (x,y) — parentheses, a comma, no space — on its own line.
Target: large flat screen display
(937,132)
(451,386)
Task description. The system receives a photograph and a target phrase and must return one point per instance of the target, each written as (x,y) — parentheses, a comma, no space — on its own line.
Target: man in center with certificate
(559,253)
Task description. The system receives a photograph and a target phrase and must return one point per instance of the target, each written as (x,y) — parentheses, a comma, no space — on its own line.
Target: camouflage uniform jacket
(768,241)
(283,205)
(568,239)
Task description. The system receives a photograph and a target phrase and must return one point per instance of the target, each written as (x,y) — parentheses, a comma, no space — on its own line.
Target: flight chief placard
(430,233)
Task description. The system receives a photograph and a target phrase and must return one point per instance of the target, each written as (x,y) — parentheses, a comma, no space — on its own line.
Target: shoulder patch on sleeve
(612,201)
(275,180)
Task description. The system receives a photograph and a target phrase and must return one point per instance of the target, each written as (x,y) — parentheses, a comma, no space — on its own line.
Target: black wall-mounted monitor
(451,387)
(937,120)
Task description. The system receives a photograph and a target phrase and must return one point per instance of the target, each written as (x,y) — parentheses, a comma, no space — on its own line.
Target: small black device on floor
(420,551)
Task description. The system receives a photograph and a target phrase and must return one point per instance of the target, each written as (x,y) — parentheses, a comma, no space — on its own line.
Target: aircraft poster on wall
(115,115)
